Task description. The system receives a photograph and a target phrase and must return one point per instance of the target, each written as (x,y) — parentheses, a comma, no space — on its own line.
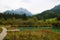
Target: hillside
(52,13)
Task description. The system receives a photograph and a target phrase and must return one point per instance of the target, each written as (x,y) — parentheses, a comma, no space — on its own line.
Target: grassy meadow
(35,30)
(32,35)
(38,30)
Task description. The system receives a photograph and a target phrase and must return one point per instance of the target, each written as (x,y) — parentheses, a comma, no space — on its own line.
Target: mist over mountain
(19,11)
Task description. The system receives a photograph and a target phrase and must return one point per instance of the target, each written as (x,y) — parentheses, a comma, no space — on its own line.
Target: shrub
(0,30)
(56,25)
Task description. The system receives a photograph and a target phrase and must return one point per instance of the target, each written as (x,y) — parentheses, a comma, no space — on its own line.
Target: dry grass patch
(0,30)
(33,35)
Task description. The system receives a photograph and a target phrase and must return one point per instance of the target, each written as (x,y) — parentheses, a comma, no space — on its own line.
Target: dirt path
(3,33)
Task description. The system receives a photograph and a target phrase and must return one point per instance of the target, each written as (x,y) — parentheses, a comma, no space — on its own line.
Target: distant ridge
(56,9)
(52,13)
(19,11)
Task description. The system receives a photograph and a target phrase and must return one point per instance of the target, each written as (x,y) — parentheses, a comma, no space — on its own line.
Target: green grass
(40,28)
(33,33)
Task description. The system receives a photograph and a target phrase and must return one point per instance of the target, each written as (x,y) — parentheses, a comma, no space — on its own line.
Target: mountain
(22,11)
(19,11)
(52,13)
(56,9)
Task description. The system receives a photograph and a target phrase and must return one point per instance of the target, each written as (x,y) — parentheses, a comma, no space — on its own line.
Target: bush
(56,25)
(0,30)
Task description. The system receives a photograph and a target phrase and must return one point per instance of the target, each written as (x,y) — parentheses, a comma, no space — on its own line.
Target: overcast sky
(35,6)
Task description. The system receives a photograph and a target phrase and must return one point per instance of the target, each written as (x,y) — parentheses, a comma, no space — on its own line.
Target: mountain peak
(20,11)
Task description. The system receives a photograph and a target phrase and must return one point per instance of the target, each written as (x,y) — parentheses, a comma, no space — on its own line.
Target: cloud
(35,6)
(26,1)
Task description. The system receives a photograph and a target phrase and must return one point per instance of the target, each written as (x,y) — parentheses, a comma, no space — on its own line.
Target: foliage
(0,30)
(56,25)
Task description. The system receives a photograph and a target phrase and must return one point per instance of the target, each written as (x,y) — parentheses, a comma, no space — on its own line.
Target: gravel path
(3,33)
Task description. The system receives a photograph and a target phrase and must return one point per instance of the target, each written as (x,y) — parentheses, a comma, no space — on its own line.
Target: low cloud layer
(35,6)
